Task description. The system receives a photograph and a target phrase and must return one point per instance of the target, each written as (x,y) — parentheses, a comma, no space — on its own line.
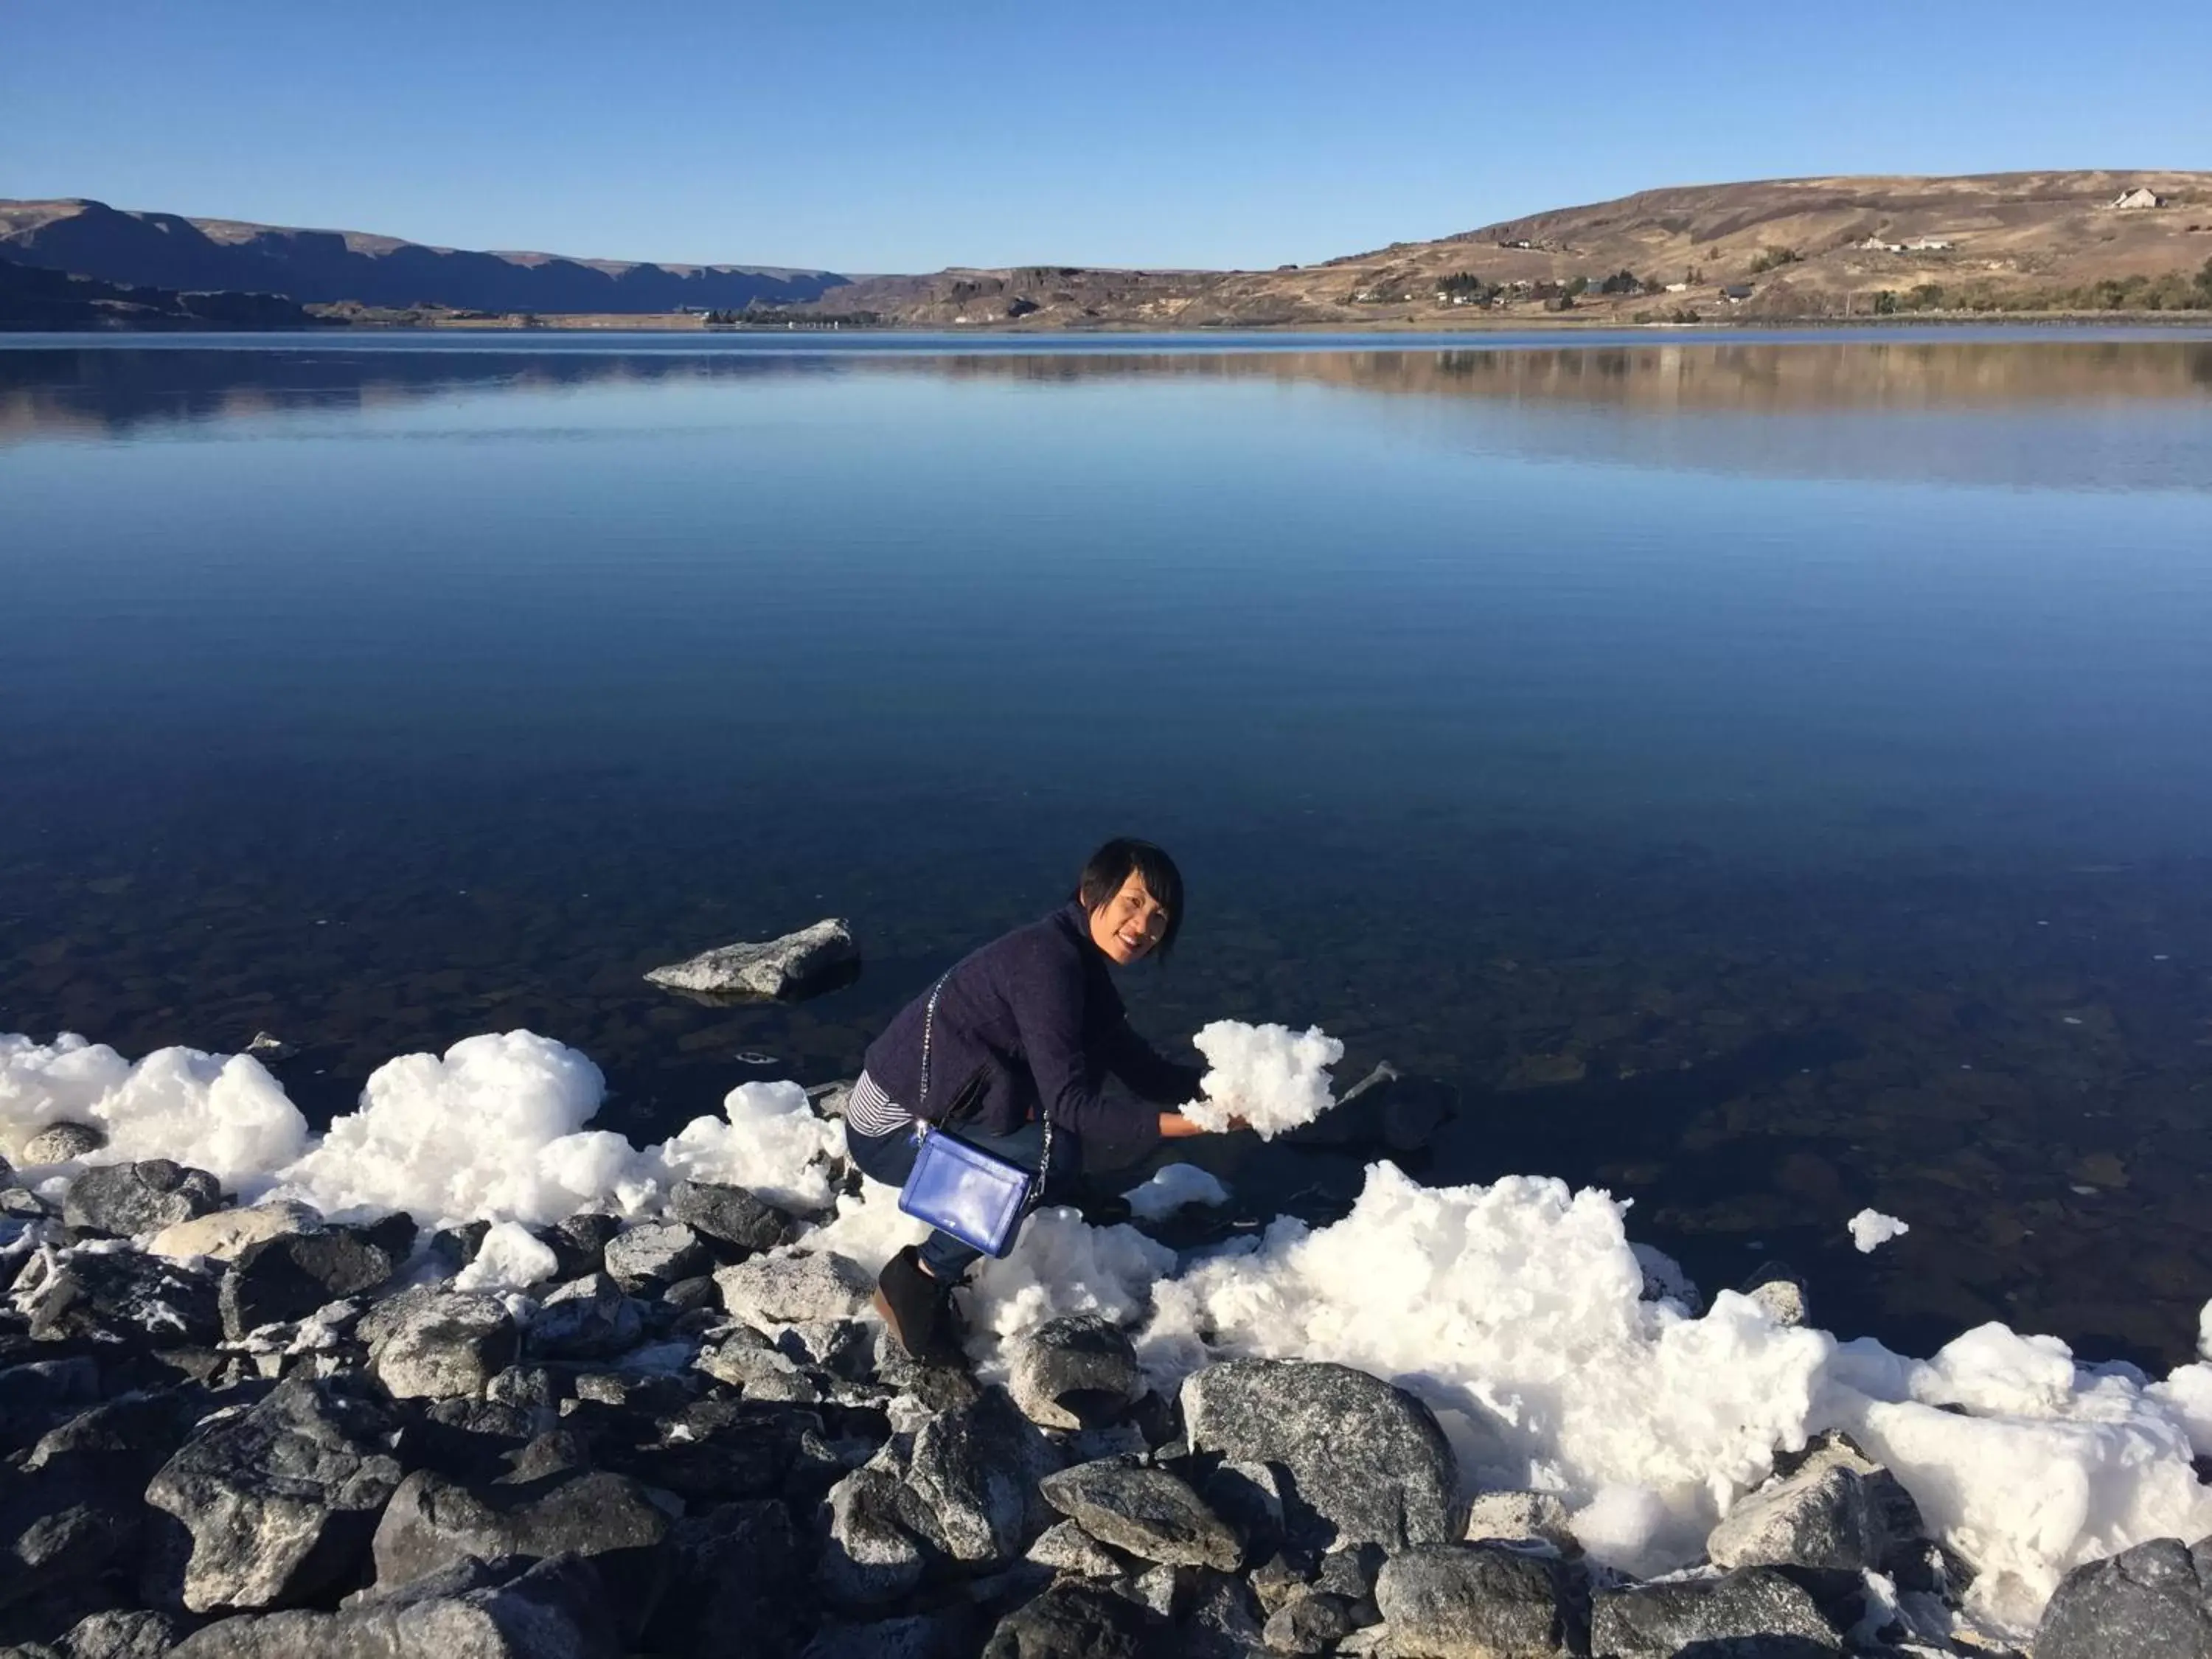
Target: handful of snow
(1871,1230)
(1268,1075)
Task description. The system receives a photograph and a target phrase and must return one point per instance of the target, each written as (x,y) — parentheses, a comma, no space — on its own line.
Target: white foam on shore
(1514,1309)
(1270,1076)
(1870,1230)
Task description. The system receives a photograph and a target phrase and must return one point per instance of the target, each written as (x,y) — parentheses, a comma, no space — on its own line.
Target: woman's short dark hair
(1113,864)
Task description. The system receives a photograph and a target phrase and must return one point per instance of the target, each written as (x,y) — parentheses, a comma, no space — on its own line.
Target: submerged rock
(126,1199)
(1366,1461)
(281,1500)
(1146,1511)
(777,967)
(2154,1601)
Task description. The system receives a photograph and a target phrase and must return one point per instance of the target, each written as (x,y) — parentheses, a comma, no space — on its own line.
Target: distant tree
(1885,302)
(1773,258)
(1576,286)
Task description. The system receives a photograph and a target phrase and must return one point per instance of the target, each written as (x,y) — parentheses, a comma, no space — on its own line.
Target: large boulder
(430,1344)
(129,1199)
(2154,1601)
(732,1214)
(280,1500)
(1076,1621)
(1476,1601)
(120,1296)
(473,1610)
(653,1253)
(1073,1371)
(1751,1606)
(1820,1516)
(287,1277)
(977,1468)
(1146,1511)
(779,966)
(588,1318)
(222,1235)
(873,1554)
(736,1584)
(1367,1462)
(121,1634)
(790,1287)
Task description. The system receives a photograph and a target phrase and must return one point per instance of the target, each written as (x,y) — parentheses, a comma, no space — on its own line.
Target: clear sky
(869,136)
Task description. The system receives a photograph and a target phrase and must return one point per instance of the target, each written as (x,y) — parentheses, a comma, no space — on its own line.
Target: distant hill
(161,250)
(33,298)
(1995,242)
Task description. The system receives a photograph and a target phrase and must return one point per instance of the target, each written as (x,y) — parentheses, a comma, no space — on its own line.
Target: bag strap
(921,1124)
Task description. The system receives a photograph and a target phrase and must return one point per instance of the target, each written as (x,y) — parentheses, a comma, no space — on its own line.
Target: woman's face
(1129,925)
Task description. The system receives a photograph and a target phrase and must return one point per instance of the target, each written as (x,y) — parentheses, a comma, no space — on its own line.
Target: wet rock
(1072,1620)
(220,1236)
(289,1277)
(474,1610)
(429,1344)
(1065,1547)
(872,1556)
(1307,1624)
(1071,1371)
(1365,1462)
(653,1253)
(1819,1517)
(121,1633)
(1475,1601)
(1146,1511)
(590,1318)
(1662,1620)
(433,1524)
(777,967)
(730,1214)
(736,1585)
(1508,1516)
(62,1143)
(977,1468)
(138,1300)
(2154,1601)
(790,1286)
(281,1500)
(126,1199)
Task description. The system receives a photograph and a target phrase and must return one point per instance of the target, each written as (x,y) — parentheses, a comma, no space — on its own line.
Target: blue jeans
(889,1158)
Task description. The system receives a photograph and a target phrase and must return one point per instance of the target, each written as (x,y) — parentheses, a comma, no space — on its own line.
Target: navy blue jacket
(1032,1024)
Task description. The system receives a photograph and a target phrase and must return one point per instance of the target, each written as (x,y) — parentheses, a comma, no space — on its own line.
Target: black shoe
(917,1306)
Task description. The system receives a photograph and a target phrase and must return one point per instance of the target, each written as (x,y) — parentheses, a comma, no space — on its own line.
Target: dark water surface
(1764,777)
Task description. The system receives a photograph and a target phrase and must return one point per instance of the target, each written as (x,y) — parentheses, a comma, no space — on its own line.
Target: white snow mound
(1272,1076)
(1871,1230)
(1172,1187)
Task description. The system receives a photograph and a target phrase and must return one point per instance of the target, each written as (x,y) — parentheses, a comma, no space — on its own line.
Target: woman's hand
(1174,1125)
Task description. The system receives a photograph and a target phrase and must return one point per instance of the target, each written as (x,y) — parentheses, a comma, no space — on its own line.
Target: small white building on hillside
(2137,197)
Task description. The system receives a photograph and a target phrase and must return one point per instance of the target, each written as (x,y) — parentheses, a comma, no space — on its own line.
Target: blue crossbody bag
(962,1189)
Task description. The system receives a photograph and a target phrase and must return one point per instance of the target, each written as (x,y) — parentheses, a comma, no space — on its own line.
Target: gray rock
(1146,1511)
(872,1556)
(121,1633)
(474,1610)
(1508,1516)
(129,1199)
(730,1215)
(1366,1461)
(747,1360)
(1249,1498)
(1474,1602)
(222,1235)
(433,1524)
(1221,1619)
(1065,1547)
(589,1318)
(432,1344)
(280,1500)
(2154,1601)
(776,968)
(1778,1287)
(1754,1604)
(1307,1624)
(286,1277)
(736,1585)
(842,1347)
(1819,1517)
(1350,1572)
(1072,1620)
(1077,1370)
(120,1295)
(62,1143)
(977,1468)
(917,1636)
(787,1287)
(652,1254)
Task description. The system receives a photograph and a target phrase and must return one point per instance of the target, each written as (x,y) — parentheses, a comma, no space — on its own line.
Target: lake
(1765,776)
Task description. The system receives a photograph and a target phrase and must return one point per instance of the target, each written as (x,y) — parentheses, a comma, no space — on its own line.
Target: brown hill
(162,250)
(1805,247)
(34,298)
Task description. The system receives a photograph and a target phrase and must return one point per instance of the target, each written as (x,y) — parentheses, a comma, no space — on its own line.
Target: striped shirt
(872,1112)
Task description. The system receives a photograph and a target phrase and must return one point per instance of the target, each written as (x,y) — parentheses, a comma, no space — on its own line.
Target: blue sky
(871,136)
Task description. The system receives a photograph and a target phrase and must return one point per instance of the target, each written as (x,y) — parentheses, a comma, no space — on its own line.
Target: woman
(1030,1026)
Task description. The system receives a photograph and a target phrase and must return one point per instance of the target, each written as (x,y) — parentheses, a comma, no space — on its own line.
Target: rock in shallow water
(1146,1511)
(2154,1601)
(1366,1461)
(777,967)
(129,1199)
(281,1500)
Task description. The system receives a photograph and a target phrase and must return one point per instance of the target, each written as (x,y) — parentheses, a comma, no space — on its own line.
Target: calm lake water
(1765,776)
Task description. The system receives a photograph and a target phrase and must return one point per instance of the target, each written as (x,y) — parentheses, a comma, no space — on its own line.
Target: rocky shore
(236,1432)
